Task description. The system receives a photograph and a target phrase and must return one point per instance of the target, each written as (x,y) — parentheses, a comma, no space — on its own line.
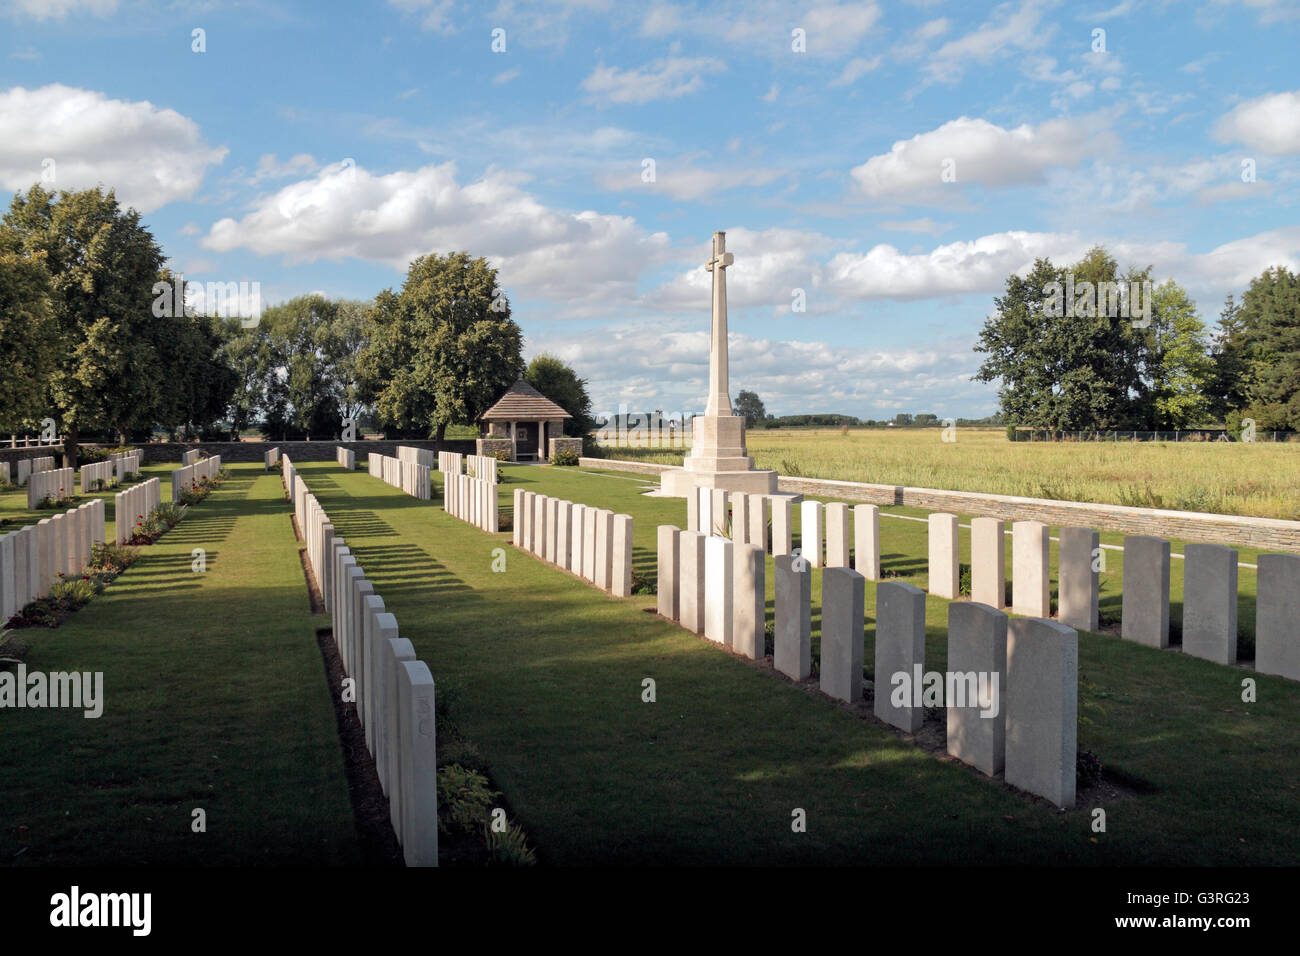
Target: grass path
(215,698)
(545,675)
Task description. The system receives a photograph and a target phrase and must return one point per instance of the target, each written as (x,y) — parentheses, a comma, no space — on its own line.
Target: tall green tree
(750,407)
(1270,316)
(1067,368)
(302,395)
(560,383)
(443,349)
(27,340)
(102,265)
(1177,363)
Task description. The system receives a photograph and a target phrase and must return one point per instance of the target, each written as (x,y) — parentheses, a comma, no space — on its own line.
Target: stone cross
(719,400)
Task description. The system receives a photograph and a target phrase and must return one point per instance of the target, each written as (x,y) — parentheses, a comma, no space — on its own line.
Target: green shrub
(111,558)
(464,800)
(641,583)
(1011,432)
(565,457)
(510,847)
(965,587)
(1087,769)
(170,513)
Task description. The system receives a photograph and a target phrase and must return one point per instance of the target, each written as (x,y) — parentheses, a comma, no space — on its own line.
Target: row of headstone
(190,457)
(1209,587)
(133,507)
(271,458)
(345,457)
(451,462)
(394,692)
(36,556)
(410,477)
(715,587)
(287,474)
(472,499)
(415,456)
(190,475)
(593,543)
(55,484)
(103,472)
(825,538)
(481,466)
(125,464)
(30,466)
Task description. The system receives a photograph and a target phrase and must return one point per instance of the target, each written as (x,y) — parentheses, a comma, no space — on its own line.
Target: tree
(302,393)
(443,349)
(27,337)
(1270,316)
(750,406)
(1177,362)
(1063,368)
(560,383)
(102,265)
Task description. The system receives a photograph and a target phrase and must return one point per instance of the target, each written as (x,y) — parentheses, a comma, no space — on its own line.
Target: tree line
(83,342)
(1066,362)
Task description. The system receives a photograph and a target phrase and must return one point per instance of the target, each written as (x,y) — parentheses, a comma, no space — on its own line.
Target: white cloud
(269,167)
(663,79)
(981,153)
(506,76)
(854,70)
(1012,29)
(58,9)
(772,92)
(1269,123)
(924,225)
(662,19)
(586,260)
(435,15)
(681,179)
(150,156)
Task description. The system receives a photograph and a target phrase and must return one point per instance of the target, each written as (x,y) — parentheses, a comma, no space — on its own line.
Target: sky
(886,166)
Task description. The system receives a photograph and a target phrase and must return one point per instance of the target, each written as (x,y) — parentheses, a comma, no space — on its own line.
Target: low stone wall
(1265,534)
(489,447)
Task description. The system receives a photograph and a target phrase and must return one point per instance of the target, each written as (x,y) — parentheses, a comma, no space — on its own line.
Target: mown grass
(1261,479)
(546,674)
(215,698)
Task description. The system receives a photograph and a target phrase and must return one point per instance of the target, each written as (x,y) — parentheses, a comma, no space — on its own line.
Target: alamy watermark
(956,688)
(75,689)
(1129,300)
(227,299)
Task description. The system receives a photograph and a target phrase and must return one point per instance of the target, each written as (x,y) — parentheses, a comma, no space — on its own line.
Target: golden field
(1260,479)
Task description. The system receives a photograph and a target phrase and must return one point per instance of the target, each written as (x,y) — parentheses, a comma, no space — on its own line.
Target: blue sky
(321,146)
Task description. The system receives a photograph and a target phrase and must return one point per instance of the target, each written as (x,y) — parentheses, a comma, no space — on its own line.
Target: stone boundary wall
(1266,534)
(153,453)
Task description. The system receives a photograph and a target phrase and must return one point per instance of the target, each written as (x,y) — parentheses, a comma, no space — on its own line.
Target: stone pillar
(988,562)
(604,549)
(900,649)
(944,566)
(718,589)
(398,649)
(590,521)
(1031,569)
(1145,614)
(843,636)
(690,603)
(977,657)
(693,510)
(1042,706)
(668,554)
(1277,609)
(1210,602)
(792,644)
(837,535)
(866,541)
(621,565)
(527,520)
(810,532)
(563,528)
(758,521)
(704,499)
(1077,579)
(782,537)
(576,537)
(749,608)
(415,694)
(539,525)
(552,531)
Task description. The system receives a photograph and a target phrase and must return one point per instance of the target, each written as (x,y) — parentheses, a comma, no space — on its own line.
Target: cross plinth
(719,400)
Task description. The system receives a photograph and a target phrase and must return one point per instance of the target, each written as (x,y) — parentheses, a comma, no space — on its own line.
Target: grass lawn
(1260,479)
(215,698)
(544,674)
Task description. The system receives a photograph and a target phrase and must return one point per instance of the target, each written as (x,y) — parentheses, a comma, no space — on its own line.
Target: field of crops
(1259,479)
